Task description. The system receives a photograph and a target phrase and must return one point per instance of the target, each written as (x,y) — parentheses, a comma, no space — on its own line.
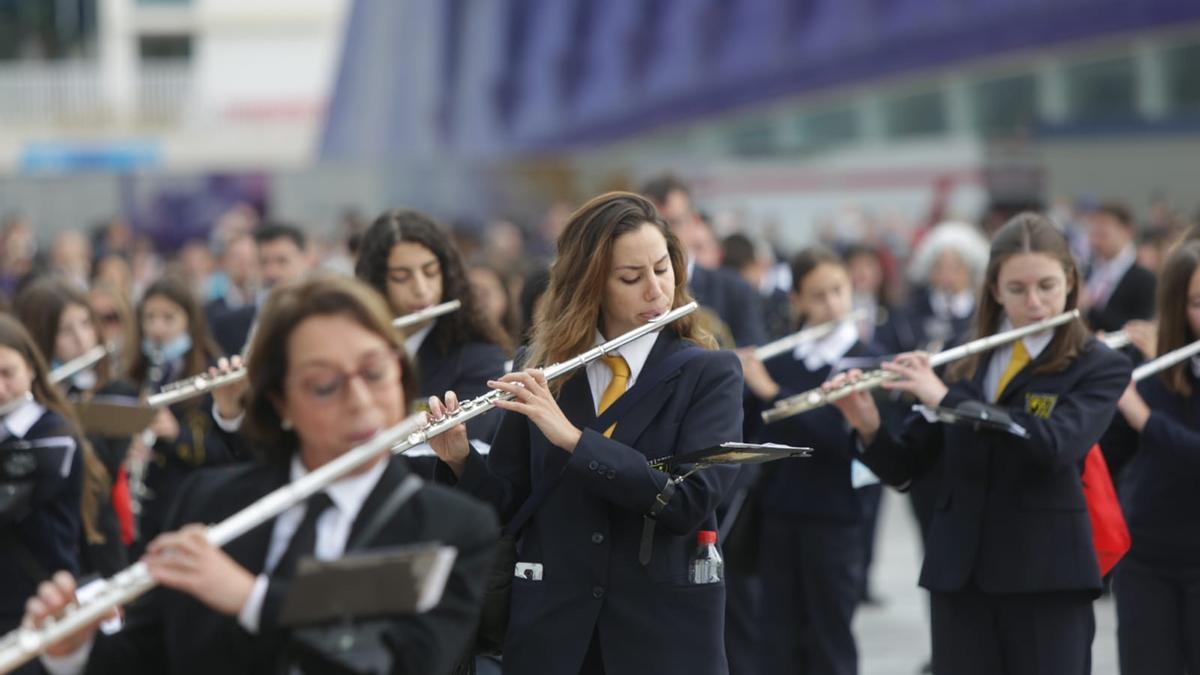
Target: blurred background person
(1118,290)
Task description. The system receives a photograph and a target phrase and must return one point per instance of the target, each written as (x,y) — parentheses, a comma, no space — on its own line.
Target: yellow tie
(620,380)
(1020,357)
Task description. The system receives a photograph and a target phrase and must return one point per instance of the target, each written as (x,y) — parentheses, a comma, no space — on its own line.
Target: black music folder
(732,453)
(976,415)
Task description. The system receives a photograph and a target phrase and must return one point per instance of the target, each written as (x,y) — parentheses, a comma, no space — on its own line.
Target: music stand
(339,609)
(975,415)
(732,453)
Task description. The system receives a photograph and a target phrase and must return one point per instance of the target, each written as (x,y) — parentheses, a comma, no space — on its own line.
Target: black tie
(304,541)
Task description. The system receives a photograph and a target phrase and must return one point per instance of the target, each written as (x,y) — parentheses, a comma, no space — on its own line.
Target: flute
(423,315)
(78,364)
(1116,340)
(23,644)
(815,398)
(789,342)
(1166,361)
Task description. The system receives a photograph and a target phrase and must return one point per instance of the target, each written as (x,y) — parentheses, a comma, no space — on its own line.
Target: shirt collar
(959,306)
(347,494)
(635,352)
(1115,268)
(413,342)
(20,421)
(830,349)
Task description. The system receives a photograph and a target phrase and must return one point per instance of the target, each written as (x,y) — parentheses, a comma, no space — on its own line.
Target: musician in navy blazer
(411,260)
(1157,583)
(1008,559)
(328,375)
(591,603)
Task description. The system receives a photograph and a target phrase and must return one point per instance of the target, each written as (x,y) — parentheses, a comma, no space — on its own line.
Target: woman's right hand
(452,447)
(51,601)
(229,397)
(858,408)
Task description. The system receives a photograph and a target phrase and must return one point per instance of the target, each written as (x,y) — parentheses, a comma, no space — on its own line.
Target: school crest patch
(1040,405)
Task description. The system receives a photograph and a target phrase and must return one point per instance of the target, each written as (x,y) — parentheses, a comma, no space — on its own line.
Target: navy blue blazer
(50,531)
(1133,298)
(1160,489)
(231,328)
(464,370)
(733,300)
(1010,515)
(170,632)
(818,486)
(588,530)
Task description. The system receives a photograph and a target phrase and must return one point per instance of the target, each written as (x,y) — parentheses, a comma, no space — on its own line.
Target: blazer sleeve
(502,479)
(1078,419)
(899,458)
(714,416)
(1167,435)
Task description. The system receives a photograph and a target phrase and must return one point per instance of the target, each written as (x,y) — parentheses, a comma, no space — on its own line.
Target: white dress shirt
(1034,344)
(635,354)
(828,350)
(956,306)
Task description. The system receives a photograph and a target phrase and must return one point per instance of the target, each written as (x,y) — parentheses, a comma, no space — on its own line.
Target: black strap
(412,483)
(647,381)
(660,502)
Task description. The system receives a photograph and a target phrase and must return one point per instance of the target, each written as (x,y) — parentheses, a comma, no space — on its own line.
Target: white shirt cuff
(227,425)
(251,612)
(71,664)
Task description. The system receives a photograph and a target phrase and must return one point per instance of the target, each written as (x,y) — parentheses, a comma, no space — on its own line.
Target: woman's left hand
(916,377)
(532,398)
(187,562)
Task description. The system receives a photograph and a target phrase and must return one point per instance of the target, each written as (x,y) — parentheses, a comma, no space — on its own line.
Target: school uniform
(464,369)
(39,535)
(597,608)
(1120,290)
(168,632)
(1157,583)
(733,300)
(812,543)
(1009,557)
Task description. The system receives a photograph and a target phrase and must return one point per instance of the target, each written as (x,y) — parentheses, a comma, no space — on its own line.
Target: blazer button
(597,538)
(611,474)
(598,592)
(592,465)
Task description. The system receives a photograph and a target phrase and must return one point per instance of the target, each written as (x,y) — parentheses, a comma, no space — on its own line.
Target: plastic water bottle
(706,566)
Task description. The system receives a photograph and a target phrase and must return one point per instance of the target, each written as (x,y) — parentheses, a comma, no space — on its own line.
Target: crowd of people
(603,538)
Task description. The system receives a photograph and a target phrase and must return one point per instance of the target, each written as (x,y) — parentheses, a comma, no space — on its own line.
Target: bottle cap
(706,537)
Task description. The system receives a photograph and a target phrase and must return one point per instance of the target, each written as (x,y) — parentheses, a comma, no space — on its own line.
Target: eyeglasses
(324,385)
(111,318)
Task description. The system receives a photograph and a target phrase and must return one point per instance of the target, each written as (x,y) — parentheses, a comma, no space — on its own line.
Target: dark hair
(286,308)
(739,252)
(661,187)
(1119,211)
(1172,302)
(204,349)
(96,480)
(1027,233)
(567,320)
(511,319)
(272,231)
(804,262)
(40,306)
(536,283)
(403,225)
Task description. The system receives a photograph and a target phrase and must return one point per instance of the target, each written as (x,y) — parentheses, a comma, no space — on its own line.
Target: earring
(286,425)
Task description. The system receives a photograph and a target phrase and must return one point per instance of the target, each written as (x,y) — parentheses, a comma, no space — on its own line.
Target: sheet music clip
(340,610)
(976,415)
(732,453)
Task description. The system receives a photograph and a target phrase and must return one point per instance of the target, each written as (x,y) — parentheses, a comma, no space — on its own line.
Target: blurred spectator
(504,246)
(1152,248)
(71,256)
(753,260)
(196,265)
(18,248)
(1118,289)
(114,270)
(117,328)
(235,283)
(705,248)
(494,297)
(867,277)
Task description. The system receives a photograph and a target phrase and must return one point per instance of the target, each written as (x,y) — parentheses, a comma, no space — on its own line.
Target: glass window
(164,47)
(1004,106)
(1101,90)
(833,126)
(915,114)
(1183,77)
(752,138)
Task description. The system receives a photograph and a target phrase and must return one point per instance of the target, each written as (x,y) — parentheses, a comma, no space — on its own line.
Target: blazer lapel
(1023,376)
(250,549)
(630,427)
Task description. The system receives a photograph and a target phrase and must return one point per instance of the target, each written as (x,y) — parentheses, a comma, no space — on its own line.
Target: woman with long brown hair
(1157,583)
(63,326)
(1008,560)
(602,580)
(55,484)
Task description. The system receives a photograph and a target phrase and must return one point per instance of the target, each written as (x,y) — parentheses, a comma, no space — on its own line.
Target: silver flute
(1165,361)
(23,644)
(789,342)
(1116,340)
(78,364)
(815,398)
(422,315)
